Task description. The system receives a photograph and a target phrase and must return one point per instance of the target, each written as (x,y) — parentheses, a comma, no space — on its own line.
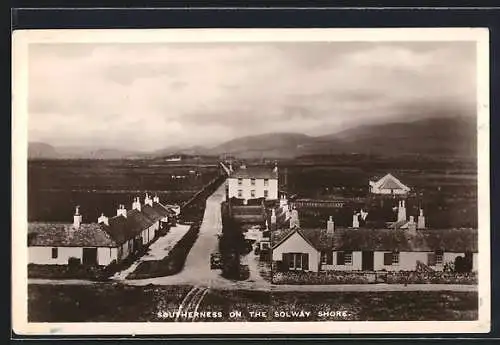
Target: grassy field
(119,303)
(446,189)
(55,187)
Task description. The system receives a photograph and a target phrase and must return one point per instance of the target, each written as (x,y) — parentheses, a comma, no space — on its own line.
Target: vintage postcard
(242,181)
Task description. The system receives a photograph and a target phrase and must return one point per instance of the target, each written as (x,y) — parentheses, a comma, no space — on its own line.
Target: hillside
(38,150)
(445,136)
(282,145)
(436,136)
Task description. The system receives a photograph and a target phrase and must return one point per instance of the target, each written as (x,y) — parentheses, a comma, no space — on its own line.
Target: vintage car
(215,261)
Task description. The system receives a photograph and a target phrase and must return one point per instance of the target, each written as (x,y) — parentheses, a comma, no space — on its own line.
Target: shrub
(360,277)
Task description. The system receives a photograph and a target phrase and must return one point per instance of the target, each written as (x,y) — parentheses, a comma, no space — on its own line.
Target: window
(266,193)
(439,257)
(395,258)
(240,181)
(266,182)
(348,258)
(327,258)
(391,259)
(240,193)
(252,181)
(435,258)
(252,193)
(297,261)
(344,258)
(54,253)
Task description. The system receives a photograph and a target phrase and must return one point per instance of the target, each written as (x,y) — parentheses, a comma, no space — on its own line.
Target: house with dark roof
(101,243)
(356,249)
(252,182)
(388,184)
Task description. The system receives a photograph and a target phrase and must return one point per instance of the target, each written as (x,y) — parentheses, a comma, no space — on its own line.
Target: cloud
(149,96)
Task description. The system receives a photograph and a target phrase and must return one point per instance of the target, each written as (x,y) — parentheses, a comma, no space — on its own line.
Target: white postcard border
(20,46)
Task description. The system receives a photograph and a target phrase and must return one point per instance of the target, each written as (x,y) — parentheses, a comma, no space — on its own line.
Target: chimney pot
(77,218)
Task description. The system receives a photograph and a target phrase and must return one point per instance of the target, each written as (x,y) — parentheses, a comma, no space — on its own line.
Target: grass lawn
(107,302)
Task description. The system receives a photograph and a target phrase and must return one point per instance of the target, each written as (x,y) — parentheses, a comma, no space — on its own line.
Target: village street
(197,270)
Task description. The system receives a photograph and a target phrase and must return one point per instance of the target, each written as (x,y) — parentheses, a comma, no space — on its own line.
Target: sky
(151,96)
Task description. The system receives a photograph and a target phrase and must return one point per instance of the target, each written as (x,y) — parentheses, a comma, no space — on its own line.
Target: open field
(120,303)
(56,186)
(445,188)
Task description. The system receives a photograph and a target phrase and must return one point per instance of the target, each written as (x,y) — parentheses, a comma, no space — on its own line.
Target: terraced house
(405,245)
(102,242)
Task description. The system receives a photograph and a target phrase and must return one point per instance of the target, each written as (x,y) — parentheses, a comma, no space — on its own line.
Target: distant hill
(443,136)
(432,136)
(435,136)
(279,145)
(38,150)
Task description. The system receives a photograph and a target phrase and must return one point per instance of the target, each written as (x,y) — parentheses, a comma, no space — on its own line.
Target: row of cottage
(403,245)
(109,239)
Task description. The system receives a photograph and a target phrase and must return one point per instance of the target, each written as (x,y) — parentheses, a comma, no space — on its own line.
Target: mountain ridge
(429,136)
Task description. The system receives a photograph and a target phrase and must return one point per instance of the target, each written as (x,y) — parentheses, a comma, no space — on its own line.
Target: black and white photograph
(251,181)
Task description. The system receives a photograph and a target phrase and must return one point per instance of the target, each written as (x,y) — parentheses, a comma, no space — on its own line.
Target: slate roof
(64,235)
(254,172)
(389,182)
(119,230)
(448,240)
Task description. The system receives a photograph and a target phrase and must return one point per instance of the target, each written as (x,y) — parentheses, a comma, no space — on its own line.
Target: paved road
(197,267)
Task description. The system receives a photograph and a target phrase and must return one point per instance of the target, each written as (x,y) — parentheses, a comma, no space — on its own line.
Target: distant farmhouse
(103,242)
(404,246)
(388,185)
(252,183)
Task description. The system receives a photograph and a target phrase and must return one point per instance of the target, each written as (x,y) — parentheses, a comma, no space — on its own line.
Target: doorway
(367,261)
(89,256)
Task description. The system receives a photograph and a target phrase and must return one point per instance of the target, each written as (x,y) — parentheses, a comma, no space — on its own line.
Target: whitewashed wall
(407,261)
(356,263)
(259,188)
(297,244)
(43,255)
(377,190)
(106,255)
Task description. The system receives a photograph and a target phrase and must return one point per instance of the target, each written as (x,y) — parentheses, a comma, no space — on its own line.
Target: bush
(360,277)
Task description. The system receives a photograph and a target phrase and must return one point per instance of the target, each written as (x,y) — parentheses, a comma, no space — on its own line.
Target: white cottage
(388,185)
(348,249)
(101,243)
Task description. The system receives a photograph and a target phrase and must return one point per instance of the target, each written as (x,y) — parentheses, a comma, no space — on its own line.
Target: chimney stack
(401,211)
(77,218)
(294,219)
(273,216)
(103,219)
(136,205)
(156,199)
(121,211)
(355,220)
(330,226)
(412,226)
(421,220)
(364,214)
(148,200)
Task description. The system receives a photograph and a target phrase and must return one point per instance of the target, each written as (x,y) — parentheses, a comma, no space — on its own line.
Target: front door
(89,256)
(367,261)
